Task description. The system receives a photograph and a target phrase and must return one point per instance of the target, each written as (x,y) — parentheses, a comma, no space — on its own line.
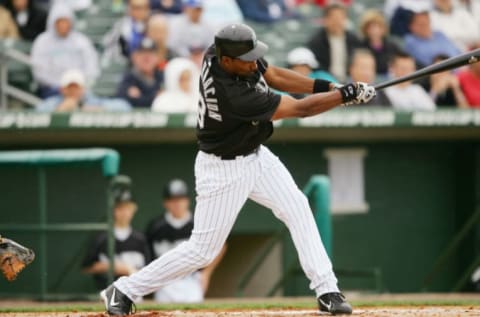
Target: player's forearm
(318,103)
(98,267)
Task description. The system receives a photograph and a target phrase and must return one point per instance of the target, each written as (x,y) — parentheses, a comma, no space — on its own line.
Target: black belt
(230,157)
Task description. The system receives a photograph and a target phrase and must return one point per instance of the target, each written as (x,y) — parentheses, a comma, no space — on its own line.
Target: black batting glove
(349,92)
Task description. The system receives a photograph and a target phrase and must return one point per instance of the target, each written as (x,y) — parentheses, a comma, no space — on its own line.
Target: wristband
(349,92)
(320,85)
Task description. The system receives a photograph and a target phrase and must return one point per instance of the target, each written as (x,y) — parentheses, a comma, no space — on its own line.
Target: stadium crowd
(162,42)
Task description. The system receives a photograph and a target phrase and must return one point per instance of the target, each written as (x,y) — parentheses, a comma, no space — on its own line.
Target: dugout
(416,181)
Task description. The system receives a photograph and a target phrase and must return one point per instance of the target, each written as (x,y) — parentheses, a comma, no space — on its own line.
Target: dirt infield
(448,311)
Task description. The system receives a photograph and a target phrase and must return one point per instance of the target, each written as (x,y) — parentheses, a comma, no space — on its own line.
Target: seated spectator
(74,97)
(59,49)
(143,81)
(399,13)
(166,6)
(8,28)
(29,18)
(302,60)
(470,83)
(456,23)
(363,69)
(424,43)
(131,248)
(127,32)
(444,88)
(472,6)
(407,96)
(222,12)
(181,88)
(171,229)
(157,30)
(196,55)
(333,44)
(190,29)
(267,11)
(374,31)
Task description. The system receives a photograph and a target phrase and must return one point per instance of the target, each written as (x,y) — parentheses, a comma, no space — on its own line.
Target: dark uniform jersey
(132,251)
(234,113)
(162,235)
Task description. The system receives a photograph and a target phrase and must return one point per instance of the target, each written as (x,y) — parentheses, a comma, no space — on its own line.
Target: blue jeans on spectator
(47,91)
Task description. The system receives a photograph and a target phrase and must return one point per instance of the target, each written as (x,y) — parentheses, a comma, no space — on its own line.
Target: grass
(231,305)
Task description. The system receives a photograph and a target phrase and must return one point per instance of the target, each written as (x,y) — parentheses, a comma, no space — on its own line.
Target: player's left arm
(292,82)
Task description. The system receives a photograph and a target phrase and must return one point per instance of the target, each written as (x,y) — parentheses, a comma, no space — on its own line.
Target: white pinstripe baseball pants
(223,187)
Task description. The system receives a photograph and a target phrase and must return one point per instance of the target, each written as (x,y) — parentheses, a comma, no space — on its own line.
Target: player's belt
(234,156)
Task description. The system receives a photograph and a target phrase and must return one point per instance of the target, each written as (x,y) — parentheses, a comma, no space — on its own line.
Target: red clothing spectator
(470,83)
(322,3)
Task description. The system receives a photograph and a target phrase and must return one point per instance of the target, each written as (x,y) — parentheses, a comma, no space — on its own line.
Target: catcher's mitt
(13,258)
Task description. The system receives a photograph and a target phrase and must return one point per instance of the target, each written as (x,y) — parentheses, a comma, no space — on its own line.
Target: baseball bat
(451,63)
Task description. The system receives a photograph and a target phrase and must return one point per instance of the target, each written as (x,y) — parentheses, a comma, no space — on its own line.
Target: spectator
(374,31)
(157,30)
(400,12)
(190,29)
(73,97)
(167,6)
(222,12)
(8,29)
(407,96)
(444,88)
(333,44)
(302,60)
(363,69)
(127,32)
(181,88)
(171,229)
(29,18)
(470,83)
(267,11)
(424,43)
(472,6)
(323,3)
(456,23)
(131,248)
(196,55)
(60,48)
(143,82)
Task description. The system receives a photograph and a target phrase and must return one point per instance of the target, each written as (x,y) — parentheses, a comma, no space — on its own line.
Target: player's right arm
(321,102)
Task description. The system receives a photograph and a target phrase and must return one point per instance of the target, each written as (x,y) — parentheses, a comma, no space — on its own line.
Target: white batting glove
(365,93)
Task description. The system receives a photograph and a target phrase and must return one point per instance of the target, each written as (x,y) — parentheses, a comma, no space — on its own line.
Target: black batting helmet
(239,41)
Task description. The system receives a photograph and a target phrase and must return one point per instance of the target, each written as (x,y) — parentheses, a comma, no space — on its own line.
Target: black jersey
(163,235)
(234,113)
(133,251)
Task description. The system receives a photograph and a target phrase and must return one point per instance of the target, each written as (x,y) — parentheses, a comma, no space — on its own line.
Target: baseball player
(235,114)
(169,230)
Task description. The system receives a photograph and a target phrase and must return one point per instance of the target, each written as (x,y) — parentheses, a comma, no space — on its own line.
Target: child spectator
(8,29)
(29,18)
(407,96)
(190,29)
(181,88)
(74,97)
(363,69)
(157,30)
(143,81)
(470,83)
(333,44)
(424,43)
(59,49)
(171,229)
(374,31)
(456,23)
(267,11)
(444,88)
(167,6)
(127,32)
(131,248)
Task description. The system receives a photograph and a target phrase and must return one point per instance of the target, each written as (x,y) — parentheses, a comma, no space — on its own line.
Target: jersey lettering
(208,104)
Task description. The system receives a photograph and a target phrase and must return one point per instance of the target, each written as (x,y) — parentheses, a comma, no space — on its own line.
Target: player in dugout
(235,113)
(168,231)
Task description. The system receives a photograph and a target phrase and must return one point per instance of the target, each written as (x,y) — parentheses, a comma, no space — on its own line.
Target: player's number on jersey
(202,111)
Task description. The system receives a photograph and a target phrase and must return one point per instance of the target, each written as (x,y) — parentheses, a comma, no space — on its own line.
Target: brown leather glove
(13,258)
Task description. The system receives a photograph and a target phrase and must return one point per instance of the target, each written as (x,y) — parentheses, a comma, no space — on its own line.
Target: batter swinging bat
(451,63)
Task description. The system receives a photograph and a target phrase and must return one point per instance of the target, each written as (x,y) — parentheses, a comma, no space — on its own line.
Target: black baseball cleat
(334,303)
(116,303)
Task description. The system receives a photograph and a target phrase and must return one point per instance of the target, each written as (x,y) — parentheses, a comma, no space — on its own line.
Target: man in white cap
(73,97)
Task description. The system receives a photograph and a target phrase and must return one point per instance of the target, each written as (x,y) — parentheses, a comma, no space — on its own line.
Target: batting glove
(365,93)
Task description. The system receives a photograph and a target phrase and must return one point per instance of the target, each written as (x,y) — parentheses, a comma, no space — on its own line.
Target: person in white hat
(74,97)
